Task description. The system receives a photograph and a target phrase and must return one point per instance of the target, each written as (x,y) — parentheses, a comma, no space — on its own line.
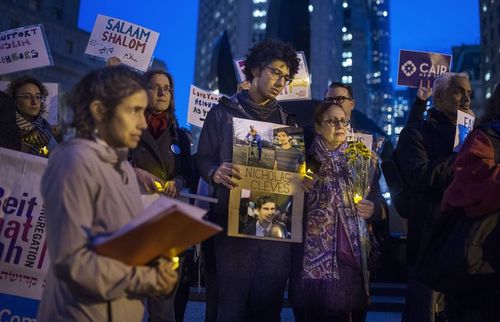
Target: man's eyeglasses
(157,88)
(29,97)
(337,99)
(278,75)
(337,123)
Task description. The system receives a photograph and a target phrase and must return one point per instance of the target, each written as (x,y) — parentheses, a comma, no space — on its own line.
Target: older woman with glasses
(329,274)
(29,96)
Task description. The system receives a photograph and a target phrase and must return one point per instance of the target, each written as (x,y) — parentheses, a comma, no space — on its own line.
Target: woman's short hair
(110,85)
(146,78)
(266,52)
(321,109)
(15,84)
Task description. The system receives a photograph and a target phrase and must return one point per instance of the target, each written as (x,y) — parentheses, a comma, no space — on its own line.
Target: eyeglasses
(157,88)
(337,99)
(337,123)
(29,97)
(277,75)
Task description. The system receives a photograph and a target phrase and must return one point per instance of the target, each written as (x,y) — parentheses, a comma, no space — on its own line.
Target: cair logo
(408,68)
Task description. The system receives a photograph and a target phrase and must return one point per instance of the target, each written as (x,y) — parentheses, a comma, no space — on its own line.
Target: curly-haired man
(245,278)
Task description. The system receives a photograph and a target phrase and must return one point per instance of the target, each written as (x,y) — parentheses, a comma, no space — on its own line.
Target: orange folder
(166,228)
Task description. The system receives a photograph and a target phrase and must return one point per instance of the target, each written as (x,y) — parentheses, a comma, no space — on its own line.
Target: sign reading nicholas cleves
(131,43)
(416,66)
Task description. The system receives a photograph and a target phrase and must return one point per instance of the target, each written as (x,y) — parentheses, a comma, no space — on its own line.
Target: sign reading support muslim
(132,44)
(298,90)
(415,66)
(24,260)
(200,102)
(24,48)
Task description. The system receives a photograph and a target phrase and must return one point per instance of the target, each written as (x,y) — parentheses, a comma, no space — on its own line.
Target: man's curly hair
(268,51)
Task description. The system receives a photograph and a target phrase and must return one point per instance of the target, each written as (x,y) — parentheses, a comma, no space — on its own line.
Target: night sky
(430,25)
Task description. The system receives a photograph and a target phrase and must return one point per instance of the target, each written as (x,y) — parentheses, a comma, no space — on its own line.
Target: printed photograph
(266,215)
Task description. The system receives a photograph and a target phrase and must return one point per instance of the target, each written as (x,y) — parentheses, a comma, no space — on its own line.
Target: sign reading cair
(23,48)
(132,44)
(416,66)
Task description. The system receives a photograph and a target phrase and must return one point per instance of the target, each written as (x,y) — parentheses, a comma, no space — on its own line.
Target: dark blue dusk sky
(426,25)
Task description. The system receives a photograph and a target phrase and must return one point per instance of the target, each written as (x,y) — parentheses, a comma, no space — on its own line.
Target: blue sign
(415,66)
(15,308)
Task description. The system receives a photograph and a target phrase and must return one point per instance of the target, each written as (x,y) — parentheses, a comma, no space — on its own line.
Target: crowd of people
(128,142)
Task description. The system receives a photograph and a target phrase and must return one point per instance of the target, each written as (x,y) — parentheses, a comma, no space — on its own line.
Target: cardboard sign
(51,102)
(270,158)
(24,260)
(415,66)
(132,44)
(200,102)
(465,124)
(298,90)
(24,48)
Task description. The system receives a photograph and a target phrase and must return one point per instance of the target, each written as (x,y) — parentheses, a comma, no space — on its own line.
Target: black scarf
(261,112)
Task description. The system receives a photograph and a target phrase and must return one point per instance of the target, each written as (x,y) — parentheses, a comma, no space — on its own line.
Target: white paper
(132,44)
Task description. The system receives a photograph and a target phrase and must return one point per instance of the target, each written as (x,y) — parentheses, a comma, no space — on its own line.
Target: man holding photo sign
(245,278)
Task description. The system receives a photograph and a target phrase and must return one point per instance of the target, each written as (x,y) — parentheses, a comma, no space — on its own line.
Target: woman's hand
(147,181)
(308,181)
(172,188)
(113,61)
(365,208)
(225,173)
(167,276)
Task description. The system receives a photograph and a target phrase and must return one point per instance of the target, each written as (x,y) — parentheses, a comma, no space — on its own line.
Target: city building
(489,15)
(349,42)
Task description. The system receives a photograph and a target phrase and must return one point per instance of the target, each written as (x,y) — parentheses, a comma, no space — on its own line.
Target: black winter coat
(425,159)
(158,157)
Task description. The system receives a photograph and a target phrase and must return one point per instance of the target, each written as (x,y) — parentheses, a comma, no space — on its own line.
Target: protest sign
(200,102)
(298,90)
(465,124)
(268,201)
(24,48)
(23,250)
(51,102)
(132,44)
(365,138)
(416,66)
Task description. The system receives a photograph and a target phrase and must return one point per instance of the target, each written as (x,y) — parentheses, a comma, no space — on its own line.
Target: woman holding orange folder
(90,190)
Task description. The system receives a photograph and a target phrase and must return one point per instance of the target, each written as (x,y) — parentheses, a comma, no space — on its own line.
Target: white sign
(132,44)
(23,48)
(200,102)
(298,90)
(51,101)
(353,136)
(465,124)
(23,256)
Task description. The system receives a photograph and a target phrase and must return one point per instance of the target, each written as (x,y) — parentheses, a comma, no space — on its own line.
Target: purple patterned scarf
(333,253)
